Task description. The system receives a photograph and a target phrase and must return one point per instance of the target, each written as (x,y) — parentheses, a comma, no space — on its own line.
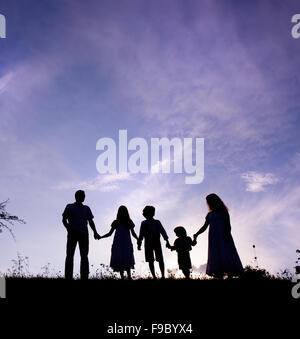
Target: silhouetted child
(122,257)
(183,245)
(150,230)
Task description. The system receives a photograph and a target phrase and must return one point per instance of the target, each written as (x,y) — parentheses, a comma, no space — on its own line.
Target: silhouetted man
(75,219)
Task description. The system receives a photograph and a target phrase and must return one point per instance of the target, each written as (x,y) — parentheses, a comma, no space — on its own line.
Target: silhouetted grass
(255,287)
(104,301)
(250,286)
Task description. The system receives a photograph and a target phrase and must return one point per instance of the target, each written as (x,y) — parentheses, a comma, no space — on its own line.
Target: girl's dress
(222,254)
(183,245)
(122,250)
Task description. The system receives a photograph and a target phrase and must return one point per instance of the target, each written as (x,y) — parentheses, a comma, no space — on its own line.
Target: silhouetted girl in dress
(222,254)
(122,258)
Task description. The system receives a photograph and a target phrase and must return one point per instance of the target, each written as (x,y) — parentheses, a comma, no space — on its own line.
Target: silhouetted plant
(171,273)
(7,220)
(255,260)
(46,272)
(103,272)
(255,273)
(20,267)
(59,275)
(285,274)
(297,267)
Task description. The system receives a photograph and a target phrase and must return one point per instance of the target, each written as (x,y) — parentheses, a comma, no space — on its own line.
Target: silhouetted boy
(151,230)
(183,245)
(75,219)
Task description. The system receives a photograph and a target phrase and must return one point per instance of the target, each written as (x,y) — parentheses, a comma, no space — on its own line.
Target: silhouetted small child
(183,245)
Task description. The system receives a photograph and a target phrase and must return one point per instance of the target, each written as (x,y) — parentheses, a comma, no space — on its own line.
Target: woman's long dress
(122,257)
(222,254)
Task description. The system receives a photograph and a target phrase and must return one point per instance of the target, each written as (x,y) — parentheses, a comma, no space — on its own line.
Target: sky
(72,72)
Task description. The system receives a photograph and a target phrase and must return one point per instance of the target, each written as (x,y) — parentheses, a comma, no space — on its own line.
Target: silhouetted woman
(122,258)
(222,254)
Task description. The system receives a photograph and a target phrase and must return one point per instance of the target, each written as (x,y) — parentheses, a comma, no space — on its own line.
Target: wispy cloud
(157,73)
(102,183)
(256,182)
(266,223)
(4,80)
(169,86)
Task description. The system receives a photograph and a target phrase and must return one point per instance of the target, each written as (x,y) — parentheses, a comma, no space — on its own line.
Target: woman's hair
(123,216)
(180,231)
(215,203)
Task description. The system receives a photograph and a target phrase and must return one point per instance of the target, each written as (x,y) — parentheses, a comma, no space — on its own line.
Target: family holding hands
(222,254)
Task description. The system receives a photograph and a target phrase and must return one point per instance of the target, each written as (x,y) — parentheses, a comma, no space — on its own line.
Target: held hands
(168,245)
(139,243)
(97,236)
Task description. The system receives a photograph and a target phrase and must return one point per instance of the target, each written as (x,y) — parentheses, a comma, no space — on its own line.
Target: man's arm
(170,247)
(66,223)
(93,227)
(65,220)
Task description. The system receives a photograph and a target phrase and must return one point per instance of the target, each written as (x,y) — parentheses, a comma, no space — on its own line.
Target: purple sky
(72,72)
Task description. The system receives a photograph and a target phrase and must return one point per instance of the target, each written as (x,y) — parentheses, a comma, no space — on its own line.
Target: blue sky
(72,72)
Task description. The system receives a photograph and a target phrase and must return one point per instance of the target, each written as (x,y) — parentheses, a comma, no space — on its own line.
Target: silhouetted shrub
(256,273)
(7,220)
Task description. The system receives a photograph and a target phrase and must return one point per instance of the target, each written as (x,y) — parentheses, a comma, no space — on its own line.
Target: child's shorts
(151,250)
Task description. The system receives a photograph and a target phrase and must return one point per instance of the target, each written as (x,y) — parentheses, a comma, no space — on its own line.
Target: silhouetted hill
(205,304)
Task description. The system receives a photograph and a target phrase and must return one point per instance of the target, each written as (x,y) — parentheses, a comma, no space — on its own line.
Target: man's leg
(69,263)
(84,261)
(152,270)
(162,268)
